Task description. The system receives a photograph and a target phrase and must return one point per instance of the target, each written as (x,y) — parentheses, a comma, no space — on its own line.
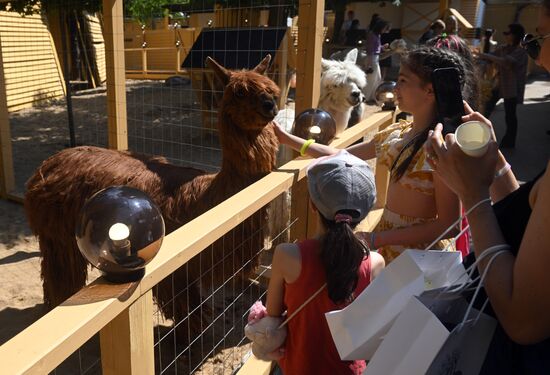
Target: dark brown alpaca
(59,188)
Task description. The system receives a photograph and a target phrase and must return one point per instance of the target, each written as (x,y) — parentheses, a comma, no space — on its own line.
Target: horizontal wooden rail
(138,49)
(45,344)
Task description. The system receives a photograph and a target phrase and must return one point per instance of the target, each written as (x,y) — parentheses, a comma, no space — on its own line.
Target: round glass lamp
(316,124)
(385,95)
(120,230)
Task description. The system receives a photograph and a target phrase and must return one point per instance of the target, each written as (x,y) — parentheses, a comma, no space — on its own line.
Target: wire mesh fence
(201,309)
(55,72)
(172,102)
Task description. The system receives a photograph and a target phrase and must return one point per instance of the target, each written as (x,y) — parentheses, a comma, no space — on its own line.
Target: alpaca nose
(356,94)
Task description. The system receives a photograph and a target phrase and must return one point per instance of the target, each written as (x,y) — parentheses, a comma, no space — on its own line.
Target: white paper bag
(358,329)
(430,337)
(440,268)
(411,344)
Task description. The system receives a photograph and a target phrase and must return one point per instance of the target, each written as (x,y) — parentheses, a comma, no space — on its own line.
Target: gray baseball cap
(341,182)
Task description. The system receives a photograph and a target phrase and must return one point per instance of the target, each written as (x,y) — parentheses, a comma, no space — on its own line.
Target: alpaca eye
(239,93)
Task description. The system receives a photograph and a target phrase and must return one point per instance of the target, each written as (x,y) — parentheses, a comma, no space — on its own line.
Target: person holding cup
(512,217)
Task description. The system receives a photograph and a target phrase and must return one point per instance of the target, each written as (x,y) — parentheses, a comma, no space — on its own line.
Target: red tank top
(309,348)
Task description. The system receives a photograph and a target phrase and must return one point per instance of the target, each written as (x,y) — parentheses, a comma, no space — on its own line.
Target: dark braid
(341,255)
(422,61)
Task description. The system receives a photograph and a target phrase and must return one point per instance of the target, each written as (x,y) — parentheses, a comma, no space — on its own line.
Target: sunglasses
(532,45)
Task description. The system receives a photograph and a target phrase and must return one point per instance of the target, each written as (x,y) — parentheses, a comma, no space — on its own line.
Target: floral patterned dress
(418,177)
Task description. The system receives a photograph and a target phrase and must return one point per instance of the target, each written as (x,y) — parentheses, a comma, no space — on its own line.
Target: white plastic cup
(473,138)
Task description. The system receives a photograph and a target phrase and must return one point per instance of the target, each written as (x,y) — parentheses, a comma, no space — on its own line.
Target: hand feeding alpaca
(342,83)
(59,188)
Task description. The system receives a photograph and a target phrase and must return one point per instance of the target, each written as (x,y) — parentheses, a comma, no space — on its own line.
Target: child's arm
(364,150)
(276,287)
(448,211)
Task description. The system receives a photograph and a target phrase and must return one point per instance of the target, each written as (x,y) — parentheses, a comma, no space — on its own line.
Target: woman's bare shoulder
(287,261)
(287,250)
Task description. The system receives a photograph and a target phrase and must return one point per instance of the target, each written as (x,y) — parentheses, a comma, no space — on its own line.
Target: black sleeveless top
(505,357)
(513,213)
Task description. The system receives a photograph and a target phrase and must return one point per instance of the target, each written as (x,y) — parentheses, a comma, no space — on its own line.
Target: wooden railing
(123,313)
(174,57)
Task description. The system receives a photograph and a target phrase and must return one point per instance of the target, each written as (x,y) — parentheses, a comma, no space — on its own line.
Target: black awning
(235,48)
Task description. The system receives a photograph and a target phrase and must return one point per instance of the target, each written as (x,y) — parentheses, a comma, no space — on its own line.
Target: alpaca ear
(263,65)
(222,73)
(325,64)
(351,56)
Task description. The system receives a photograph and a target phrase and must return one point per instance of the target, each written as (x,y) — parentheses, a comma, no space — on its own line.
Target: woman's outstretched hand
(280,132)
(469,177)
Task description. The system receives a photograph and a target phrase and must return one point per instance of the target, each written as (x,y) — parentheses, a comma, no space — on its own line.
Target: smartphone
(448,97)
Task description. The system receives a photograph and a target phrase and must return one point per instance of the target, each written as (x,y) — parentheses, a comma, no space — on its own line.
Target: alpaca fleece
(60,186)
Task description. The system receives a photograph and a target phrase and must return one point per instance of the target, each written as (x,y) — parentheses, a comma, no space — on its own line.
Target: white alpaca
(342,83)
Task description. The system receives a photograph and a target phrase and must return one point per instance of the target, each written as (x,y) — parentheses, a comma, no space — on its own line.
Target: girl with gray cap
(333,268)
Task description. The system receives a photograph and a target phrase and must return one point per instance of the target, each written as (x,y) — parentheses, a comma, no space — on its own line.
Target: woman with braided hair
(419,205)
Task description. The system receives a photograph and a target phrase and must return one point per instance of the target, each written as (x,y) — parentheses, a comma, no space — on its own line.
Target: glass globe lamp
(384,95)
(119,231)
(315,123)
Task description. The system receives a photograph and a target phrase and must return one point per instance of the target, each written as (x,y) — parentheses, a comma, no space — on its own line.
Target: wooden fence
(125,324)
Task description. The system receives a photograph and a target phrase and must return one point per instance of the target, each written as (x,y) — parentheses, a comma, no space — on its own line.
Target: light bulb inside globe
(389,95)
(315,130)
(119,233)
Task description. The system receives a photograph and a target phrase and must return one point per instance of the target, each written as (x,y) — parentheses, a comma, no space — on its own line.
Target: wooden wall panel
(95,34)
(31,71)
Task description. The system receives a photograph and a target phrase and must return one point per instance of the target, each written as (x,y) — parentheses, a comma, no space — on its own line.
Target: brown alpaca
(59,188)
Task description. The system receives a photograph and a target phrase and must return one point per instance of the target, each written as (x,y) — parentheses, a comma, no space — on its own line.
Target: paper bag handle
(302,306)
(457,222)
(481,281)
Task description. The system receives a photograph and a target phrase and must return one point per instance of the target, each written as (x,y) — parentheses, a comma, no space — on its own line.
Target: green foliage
(141,10)
(144,10)
(36,6)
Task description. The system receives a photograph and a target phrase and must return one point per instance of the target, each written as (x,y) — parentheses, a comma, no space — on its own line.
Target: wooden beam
(7,180)
(308,77)
(116,74)
(443,6)
(254,366)
(461,18)
(310,46)
(127,341)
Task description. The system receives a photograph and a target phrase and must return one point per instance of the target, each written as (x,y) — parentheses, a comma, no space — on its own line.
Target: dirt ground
(163,120)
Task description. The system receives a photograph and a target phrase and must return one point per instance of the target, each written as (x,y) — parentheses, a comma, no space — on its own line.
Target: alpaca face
(342,83)
(250,100)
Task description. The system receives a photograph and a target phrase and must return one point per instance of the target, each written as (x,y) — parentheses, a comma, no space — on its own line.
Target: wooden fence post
(7,181)
(382,176)
(443,7)
(127,341)
(308,76)
(116,74)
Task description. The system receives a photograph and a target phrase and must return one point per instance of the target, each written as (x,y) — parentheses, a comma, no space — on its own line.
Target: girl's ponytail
(341,255)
